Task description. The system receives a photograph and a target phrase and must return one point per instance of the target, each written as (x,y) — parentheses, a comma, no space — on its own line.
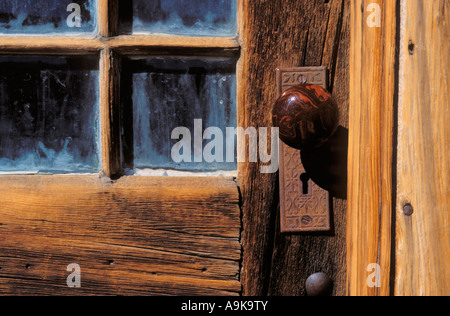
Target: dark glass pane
(45,16)
(161,94)
(49,117)
(180,17)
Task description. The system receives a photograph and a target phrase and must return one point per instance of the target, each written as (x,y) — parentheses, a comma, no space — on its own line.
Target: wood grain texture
(127,44)
(171,236)
(108,17)
(287,33)
(103,18)
(372,99)
(423,167)
(110,64)
(49,44)
(138,44)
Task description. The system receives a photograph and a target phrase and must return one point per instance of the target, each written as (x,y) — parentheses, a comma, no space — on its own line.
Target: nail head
(408,210)
(319,284)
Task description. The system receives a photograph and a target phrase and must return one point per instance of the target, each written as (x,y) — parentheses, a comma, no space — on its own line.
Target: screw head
(408,210)
(319,284)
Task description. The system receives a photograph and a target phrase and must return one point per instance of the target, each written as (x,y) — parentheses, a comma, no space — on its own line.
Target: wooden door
(206,235)
(190,235)
(284,34)
(103,231)
(398,180)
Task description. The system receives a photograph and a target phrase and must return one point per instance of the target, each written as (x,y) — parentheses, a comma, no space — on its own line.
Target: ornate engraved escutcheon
(305,207)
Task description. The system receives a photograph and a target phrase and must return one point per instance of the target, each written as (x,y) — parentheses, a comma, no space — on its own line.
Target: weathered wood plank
(371,120)
(423,167)
(165,235)
(109,269)
(292,33)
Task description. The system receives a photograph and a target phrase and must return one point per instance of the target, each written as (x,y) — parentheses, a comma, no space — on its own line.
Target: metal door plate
(300,212)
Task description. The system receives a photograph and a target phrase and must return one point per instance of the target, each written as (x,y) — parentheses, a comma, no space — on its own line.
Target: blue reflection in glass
(49,117)
(45,16)
(161,94)
(180,17)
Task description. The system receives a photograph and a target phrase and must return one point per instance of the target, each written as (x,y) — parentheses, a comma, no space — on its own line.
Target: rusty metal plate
(303,209)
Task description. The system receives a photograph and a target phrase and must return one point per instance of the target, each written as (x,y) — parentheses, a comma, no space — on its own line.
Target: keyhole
(305,180)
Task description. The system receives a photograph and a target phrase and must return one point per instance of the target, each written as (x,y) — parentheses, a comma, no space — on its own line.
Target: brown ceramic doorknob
(307,116)
(308,119)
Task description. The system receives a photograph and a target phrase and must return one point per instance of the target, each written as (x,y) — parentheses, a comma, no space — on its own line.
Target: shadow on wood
(327,165)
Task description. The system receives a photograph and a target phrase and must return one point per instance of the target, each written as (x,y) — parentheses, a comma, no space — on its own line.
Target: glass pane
(47,16)
(161,94)
(49,117)
(179,17)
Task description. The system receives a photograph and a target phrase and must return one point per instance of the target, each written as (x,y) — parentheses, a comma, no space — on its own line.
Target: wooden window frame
(196,219)
(111,46)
